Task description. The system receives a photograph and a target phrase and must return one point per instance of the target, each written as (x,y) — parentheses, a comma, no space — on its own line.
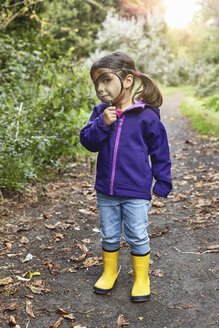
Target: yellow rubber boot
(141,287)
(110,272)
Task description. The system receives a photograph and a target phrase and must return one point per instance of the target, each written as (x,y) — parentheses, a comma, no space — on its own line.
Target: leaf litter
(54,234)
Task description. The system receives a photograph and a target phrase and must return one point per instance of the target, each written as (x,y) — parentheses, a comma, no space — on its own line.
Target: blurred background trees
(46,48)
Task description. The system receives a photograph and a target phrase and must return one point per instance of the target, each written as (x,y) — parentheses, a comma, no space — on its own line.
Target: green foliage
(73,24)
(204,118)
(203,47)
(212,103)
(207,79)
(43,107)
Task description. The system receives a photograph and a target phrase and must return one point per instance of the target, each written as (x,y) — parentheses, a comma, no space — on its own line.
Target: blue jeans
(133,212)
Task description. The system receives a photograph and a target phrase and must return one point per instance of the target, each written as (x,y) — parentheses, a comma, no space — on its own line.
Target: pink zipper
(115,154)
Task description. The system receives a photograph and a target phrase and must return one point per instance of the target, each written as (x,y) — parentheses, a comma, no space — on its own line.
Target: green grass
(204,120)
(169,90)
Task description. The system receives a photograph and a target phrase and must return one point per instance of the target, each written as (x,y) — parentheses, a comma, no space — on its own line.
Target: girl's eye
(106,80)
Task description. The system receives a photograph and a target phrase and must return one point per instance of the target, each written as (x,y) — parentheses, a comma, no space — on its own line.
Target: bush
(42,111)
(212,103)
(207,80)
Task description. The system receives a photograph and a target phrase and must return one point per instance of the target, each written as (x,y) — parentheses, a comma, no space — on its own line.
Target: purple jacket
(123,167)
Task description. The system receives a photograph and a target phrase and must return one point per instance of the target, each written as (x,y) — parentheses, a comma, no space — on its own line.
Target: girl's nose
(100,89)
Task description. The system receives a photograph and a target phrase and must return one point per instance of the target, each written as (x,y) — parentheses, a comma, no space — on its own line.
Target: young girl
(124,174)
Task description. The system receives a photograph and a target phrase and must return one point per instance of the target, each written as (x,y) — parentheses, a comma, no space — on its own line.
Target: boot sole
(140,298)
(102,291)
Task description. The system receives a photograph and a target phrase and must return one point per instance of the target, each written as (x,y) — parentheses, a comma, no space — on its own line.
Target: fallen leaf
(8,245)
(140,318)
(22,278)
(158,254)
(31,274)
(191,142)
(51,266)
(59,237)
(46,215)
(29,296)
(92,261)
(29,308)
(158,204)
(62,226)
(152,212)
(121,321)
(190,177)
(6,281)
(181,307)
(158,273)
(28,258)
(159,233)
(83,248)
(78,259)
(12,320)
(52,227)
(11,307)
(57,324)
(24,240)
(179,198)
(86,241)
(39,290)
(65,314)
(200,202)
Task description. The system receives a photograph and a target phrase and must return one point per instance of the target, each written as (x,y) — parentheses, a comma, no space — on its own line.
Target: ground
(50,237)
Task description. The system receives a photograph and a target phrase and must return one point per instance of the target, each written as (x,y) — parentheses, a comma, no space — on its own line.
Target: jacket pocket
(132,166)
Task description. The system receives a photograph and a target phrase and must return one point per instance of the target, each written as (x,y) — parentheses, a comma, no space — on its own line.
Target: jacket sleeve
(160,157)
(95,132)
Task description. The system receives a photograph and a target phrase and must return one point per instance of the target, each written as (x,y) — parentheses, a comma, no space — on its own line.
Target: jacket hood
(142,104)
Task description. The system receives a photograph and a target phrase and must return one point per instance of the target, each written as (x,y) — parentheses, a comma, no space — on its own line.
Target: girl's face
(108,85)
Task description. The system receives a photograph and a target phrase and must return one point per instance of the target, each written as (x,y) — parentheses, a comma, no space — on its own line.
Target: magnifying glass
(108,87)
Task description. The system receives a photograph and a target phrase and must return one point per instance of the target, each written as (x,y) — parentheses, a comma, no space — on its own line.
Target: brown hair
(123,65)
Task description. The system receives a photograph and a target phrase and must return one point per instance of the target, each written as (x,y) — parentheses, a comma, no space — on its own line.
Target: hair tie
(138,74)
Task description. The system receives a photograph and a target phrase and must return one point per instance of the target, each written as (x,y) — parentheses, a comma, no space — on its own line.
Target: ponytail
(148,91)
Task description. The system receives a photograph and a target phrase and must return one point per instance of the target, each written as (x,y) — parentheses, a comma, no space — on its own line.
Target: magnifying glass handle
(112,125)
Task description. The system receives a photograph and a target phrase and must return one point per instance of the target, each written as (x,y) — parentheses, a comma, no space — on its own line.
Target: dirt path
(59,228)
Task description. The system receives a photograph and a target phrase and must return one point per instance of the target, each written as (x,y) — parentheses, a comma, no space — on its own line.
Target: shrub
(41,115)
(212,103)
(207,79)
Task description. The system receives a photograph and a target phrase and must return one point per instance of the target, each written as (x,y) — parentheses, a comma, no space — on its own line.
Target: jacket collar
(144,105)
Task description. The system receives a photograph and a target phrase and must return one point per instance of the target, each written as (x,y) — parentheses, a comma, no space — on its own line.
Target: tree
(74,24)
(203,47)
(145,41)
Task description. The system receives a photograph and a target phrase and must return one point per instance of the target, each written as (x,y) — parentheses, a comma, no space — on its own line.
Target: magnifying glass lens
(108,87)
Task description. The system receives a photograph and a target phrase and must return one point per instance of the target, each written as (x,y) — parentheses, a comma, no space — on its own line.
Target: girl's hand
(109,115)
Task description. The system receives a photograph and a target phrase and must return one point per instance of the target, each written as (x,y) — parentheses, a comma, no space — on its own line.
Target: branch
(197,253)
(10,20)
(15,5)
(21,11)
